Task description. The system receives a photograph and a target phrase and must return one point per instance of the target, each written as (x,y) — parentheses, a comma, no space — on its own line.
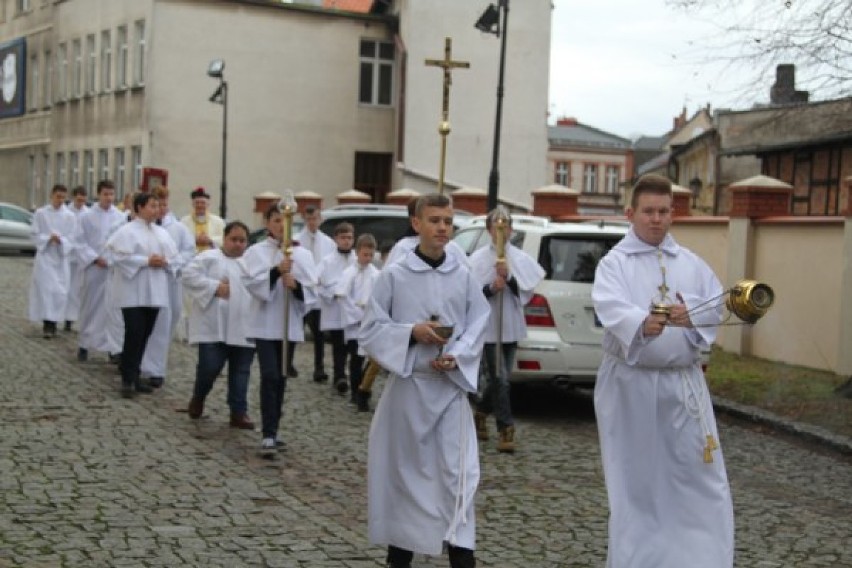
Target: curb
(835,442)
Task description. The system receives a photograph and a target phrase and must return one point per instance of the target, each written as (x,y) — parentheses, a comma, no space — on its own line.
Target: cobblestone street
(90,479)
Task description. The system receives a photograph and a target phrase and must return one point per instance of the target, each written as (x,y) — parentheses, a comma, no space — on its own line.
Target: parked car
(15,223)
(563,344)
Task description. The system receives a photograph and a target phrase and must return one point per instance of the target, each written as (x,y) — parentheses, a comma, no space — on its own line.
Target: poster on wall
(13,77)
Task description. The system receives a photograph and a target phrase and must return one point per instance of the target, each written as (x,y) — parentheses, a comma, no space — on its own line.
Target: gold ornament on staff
(500,223)
(447,64)
(287,207)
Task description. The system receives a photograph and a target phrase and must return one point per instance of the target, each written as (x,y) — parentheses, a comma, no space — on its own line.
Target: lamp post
(220,96)
(489,22)
(695,186)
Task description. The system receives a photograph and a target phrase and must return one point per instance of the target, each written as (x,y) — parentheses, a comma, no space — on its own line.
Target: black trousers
(459,557)
(138,325)
(356,366)
(272,384)
(312,318)
(338,352)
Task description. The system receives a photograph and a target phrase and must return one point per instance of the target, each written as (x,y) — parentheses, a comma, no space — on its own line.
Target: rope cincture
(461,488)
(694,401)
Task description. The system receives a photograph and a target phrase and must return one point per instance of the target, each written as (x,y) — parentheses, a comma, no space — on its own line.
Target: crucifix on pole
(447,64)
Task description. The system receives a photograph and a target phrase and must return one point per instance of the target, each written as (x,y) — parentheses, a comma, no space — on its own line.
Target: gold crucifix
(447,64)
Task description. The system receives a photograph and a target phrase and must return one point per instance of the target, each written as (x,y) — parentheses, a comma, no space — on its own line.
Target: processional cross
(447,64)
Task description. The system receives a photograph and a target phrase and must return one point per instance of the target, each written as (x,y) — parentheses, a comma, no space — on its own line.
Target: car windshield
(382,228)
(568,258)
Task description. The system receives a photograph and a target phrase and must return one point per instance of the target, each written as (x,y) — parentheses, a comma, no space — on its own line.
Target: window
(136,157)
(612,179)
(77,70)
(590,178)
(91,63)
(22,6)
(376,82)
(139,53)
(32,179)
(119,172)
(47,182)
(103,164)
(62,65)
(89,171)
(48,78)
(121,54)
(35,84)
(563,174)
(571,259)
(60,168)
(74,170)
(106,60)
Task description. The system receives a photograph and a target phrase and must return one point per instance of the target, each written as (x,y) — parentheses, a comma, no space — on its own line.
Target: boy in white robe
(670,503)
(93,229)
(330,270)
(508,284)
(356,287)
(410,240)
(156,358)
(77,206)
(53,232)
(217,323)
(423,460)
(280,288)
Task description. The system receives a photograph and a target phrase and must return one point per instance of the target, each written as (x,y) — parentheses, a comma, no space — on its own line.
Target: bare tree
(757,35)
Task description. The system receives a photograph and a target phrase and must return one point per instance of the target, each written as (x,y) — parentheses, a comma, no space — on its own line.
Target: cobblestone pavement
(90,479)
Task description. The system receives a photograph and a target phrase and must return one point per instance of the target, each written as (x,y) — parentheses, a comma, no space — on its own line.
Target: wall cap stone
(555,188)
(470,191)
(761,181)
(353,193)
(308,195)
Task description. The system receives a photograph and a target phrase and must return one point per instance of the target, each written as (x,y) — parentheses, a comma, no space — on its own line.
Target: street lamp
(220,96)
(695,186)
(489,22)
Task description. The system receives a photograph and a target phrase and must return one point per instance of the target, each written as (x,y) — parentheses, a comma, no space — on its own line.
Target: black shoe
(292,372)
(82,355)
(341,384)
(115,358)
(141,386)
(320,376)
(363,402)
(127,390)
(156,382)
(68,325)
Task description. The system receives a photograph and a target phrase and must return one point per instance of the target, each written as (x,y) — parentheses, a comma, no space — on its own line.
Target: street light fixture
(220,96)
(490,22)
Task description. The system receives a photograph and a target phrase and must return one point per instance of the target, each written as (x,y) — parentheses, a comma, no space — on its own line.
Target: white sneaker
(267,447)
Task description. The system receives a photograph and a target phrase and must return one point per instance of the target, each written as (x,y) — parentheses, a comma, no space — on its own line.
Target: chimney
(679,121)
(566,121)
(783,91)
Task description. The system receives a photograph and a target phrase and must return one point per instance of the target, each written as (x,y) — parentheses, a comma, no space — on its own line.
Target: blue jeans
(272,384)
(495,397)
(211,359)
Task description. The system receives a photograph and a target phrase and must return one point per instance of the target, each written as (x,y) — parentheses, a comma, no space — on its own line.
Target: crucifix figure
(447,64)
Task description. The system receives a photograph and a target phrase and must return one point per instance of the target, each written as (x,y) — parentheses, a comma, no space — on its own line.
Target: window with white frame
(136,157)
(35,83)
(612,178)
(91,63)
(62,70)
(60,168)
(121,57)
(106,60)
(563,174)
(139,52)
(48,78)
(118,178)
(77,69)
(590,178)
(376,72)
(73,170)
(89,171)
(103,164)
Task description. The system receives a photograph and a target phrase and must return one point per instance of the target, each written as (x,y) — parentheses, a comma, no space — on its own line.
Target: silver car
(15,223)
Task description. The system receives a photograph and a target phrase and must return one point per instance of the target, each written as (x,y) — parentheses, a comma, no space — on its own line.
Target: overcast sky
(627,66)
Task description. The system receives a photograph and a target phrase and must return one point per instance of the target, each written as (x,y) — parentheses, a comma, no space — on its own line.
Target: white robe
(75,290)
(215,228)
(93,229)
(267,306)
(330,271)
(407,244)
(355,289)
(213,319)
(318,244)
(668,509)
(526,272)
(51,277)
(156,358)
(423,460)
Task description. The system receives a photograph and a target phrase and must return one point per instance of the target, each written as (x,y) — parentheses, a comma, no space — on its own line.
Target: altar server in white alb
(217,323)
(77,206)
(670,503)
(141,251)
(508,283)
(270,277)
(53,232)
(156,358)
(423,460)
(93,229)
(409,242)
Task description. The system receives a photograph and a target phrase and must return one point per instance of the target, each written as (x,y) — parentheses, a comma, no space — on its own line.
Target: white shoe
(267,447)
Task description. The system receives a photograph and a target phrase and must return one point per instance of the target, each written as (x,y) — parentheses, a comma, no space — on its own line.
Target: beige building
(318,99)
